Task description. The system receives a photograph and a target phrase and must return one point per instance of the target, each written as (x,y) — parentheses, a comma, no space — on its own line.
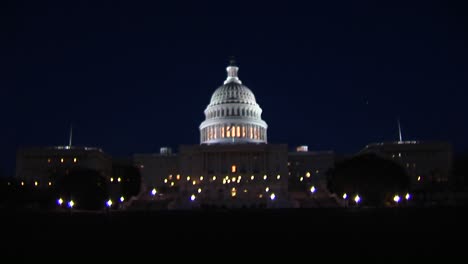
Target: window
(233,168)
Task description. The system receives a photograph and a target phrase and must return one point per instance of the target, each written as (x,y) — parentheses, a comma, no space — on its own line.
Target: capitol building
(234,166)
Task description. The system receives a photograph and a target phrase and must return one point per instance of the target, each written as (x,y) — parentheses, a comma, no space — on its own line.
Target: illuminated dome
(233,115)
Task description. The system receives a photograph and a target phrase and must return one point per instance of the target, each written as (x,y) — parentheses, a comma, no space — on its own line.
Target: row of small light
(72,203)
(396,198)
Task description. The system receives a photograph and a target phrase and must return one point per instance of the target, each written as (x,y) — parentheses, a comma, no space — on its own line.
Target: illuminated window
(61,160)
(228,132)
(233,192)
(233,168)
(75,160)
(222,132)
(307,174)
(243,131)
(238,131)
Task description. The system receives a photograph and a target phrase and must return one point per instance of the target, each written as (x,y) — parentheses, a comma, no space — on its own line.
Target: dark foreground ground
(388,234)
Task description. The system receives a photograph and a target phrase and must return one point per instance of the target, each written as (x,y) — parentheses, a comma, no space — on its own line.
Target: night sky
(132,77)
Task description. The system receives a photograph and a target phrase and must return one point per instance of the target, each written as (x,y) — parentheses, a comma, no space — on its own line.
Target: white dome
(233,115)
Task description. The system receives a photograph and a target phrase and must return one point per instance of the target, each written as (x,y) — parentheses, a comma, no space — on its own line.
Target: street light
(153,192)
(396,198)
(312,189)
(408,196)
(71,204)
(59,201)
(109,203)
(357,199)
(122,199)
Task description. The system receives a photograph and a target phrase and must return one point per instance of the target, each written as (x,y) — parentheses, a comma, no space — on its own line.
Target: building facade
(36,165)
(426,163)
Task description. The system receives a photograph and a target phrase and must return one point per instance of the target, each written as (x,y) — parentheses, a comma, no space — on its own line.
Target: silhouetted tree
(374,178)
(87,187)
(460,171)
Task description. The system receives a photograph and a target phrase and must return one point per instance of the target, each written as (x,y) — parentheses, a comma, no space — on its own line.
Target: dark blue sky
(133,77)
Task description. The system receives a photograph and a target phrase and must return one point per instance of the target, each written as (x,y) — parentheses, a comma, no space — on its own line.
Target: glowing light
(111,179)
(71,204)
(267,189)
(48,160)
(36,183)
(357,199)
(278,177)
(233,168)
(170,176)
(317,171)
(312,189)
(122,199)
(396,198)
(165,180)
(109,203)
(264,177)
(194,182)
(153,192)
(75,160)
(201,178)
(345,196)
(193,197)
(50,183)
(22,183)
(178,177)
(188,178)
(61,160)
(118,179)
(214,178)
(233,192)
(301,179)
(252,177)
(419,178)
(172,183)
(272,196)
(307,174)
(224,181)
(199,190)
(408,196)
(233,179)
(260,196)
(60,201)
(245,190)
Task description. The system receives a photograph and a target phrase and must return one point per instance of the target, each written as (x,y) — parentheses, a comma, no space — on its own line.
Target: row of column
(233,131)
